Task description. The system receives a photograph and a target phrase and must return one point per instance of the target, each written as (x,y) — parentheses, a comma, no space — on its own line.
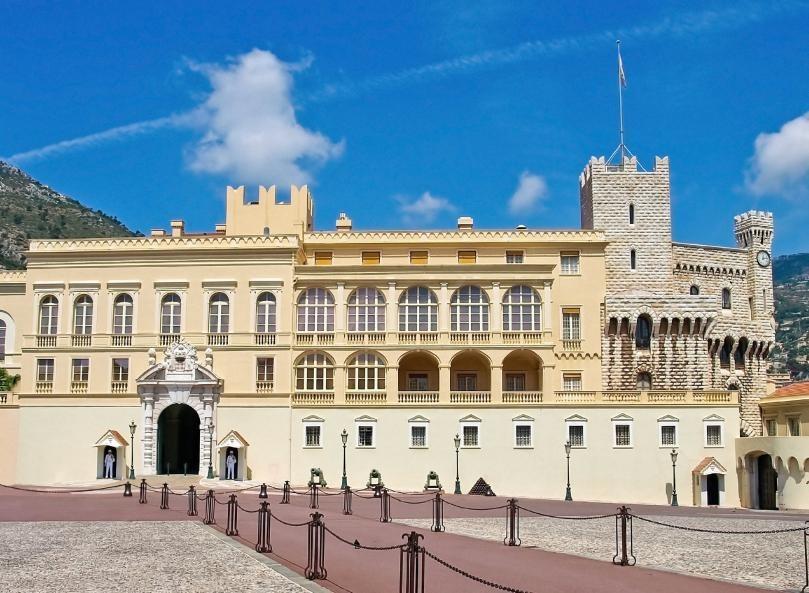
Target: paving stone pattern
(769,561)
(136,557)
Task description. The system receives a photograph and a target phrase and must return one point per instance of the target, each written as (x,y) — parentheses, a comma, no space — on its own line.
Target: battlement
(268,216)
(597,165)
(754,227)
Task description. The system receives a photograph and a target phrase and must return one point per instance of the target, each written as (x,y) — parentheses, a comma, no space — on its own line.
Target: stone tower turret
(754,233)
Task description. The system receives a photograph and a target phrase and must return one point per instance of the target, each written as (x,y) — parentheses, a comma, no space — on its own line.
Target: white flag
(621,75)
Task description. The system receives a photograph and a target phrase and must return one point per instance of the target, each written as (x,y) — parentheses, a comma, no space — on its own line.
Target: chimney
(158,233)
(465,223)
(177,228)
(221,228)
(343,223)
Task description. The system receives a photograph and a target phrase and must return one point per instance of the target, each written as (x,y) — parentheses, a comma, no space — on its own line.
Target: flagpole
(620,105)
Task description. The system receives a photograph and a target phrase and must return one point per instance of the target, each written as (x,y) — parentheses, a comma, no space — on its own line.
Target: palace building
(267,338)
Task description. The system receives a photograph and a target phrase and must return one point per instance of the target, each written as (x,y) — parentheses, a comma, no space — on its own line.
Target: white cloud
(780,164)
(424,209)
(249,129)
(531,190)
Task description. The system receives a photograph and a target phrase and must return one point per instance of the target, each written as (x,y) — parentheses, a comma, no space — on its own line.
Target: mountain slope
(791,279)
(31,210)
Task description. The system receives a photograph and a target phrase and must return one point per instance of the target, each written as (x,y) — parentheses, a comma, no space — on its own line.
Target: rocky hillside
(31,210)
(791,278)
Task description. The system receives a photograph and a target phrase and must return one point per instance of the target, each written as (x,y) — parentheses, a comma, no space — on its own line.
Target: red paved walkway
(364,571)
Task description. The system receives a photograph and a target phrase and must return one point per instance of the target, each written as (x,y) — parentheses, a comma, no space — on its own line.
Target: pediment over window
(622,417)
(470,418)
(111,438)
(522,418)
(418,418)
(668,418)
(365,418)
(313,418)
(713,418)
(233,439)
(575,418)
(708,466)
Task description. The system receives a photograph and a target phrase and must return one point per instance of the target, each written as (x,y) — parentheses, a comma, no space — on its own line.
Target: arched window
(366,372)
(724,353)
(48,315)
(265,313)
(632,214)
(366,310)
(219,314)
(522,310)
(633,260)
(726,303)
(469,310)
(122,312)
(644,381)
(694,290)
(83,316)
(3,331)
(418,310)
(316,310)
(314,372)
(643,332)
(171,314)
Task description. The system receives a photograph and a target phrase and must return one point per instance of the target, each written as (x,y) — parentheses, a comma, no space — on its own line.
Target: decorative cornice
(513,236)
(202,242)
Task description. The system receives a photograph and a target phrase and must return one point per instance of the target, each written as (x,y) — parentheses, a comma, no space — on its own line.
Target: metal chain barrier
(263,544)
(210,508)
(411,564)
(425,500)
(287,523)
(458,506)
(567,517)
(233,516)
(384,507)
(347,501)
(438,514)
(316,549)
(512,524)
(720,531)
(358,546)
(470,576)
(624,556)
(192,502)
(60,490)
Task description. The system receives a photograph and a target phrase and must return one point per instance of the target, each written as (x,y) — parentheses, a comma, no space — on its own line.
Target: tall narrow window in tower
(752,306)
(726,302)
(633,260)
(694,290)
(644,381)
(632,214)
(643,333)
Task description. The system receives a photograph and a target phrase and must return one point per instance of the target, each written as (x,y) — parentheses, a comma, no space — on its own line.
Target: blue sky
(412,113)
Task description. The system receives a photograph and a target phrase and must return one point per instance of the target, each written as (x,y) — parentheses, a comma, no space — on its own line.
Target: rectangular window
(466,382)
(419,257)
(515,257)
(571,382)
(571,324)
(265,369)
(322,258)
(772,427)
(417,382)
(418,436)
(713,435)
(45,369)
(365,436)
(623,434)
(120,369)
(794,425)
(668,435)
(371,258)
(575,435)
(570,263)
(515,381)
(471,436)
(81,369)
(312,435)
(467,257)
(522,435)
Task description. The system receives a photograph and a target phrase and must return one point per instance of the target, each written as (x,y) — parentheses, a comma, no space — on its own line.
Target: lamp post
(344,436)
(457,464)
(132,427)
(674,477)
(210,450)
(568,494)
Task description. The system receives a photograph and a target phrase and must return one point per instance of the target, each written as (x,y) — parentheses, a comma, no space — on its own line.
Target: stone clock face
(763,259)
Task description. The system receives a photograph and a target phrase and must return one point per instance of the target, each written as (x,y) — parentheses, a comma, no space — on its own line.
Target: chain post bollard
(164,496)
(384,507)
(347,501)
(411,564)
(127,489)
(262,493)
(233,516)
(512,524)
(624,554)
(285,495)
(263,542)
(313,497)
(142,493)
(438,514)
(806,555)
(210,508)
(192,501)
(316,548)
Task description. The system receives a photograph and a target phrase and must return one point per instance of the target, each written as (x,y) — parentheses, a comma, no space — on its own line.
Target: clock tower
(754,233)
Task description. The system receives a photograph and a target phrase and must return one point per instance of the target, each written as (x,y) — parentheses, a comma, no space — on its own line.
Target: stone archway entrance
(767,483)
(178,442)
